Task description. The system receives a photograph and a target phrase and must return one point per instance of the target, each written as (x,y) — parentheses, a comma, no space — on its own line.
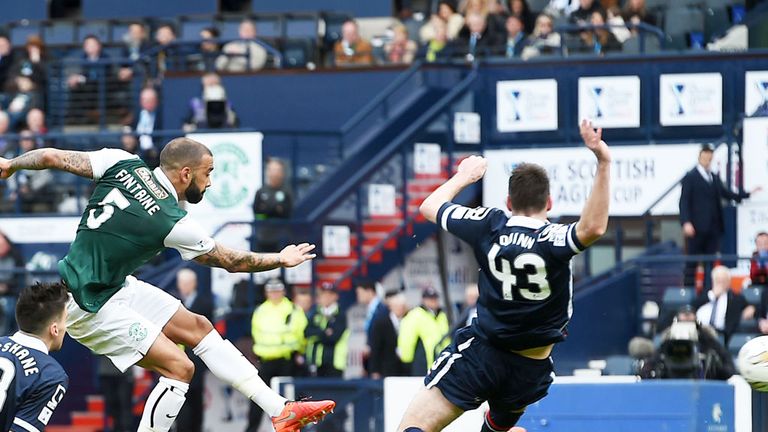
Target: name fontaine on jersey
(133,184)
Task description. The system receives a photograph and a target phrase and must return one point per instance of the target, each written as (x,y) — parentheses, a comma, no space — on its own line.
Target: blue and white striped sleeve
(468,224)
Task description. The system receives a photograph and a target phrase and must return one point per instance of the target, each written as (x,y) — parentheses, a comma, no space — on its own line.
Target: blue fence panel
(669,405)
(320,101)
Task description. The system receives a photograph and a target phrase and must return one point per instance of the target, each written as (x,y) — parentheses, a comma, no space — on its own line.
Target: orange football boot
(296,415)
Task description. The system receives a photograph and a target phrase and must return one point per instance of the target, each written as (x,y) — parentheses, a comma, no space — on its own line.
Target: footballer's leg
(168,396)
(429,411)
(502,421)
(228,364)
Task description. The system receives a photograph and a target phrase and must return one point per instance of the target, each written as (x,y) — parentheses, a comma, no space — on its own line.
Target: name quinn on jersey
(135,188)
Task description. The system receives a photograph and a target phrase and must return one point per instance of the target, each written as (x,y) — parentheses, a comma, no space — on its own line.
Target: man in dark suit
(701,210)
(384,361)
(145,122)
(191,415)
(720,307)
(480,37)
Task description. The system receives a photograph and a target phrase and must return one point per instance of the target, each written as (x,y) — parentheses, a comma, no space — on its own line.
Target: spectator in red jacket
(758,269)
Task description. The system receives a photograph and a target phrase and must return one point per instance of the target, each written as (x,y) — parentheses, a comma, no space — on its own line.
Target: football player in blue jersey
(32,383)
(526,293)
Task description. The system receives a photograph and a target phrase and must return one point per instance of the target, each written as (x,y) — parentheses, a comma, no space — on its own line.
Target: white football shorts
(127,325)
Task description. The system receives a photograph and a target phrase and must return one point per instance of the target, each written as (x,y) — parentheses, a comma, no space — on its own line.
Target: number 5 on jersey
(530,264)
(107,209)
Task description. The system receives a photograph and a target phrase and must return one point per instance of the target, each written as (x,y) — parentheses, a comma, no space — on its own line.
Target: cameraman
(689,349)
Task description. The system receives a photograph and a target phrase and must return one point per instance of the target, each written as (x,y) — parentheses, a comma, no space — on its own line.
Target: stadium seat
(98,28)
(301,26)
(716,21)
(118,30)
(297,53)
(59,33)
(679,22)
(333,24)
(189,30)
(537,5)
(656,4)
(753,294)
(748,325)
(632,45)
(675,297)
(228,28)
(20,32)
(270,27)
(718,3)
(619,365)
(738,340)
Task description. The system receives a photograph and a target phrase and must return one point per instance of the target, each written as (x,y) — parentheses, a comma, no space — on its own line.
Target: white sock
(229,365)
(163,405)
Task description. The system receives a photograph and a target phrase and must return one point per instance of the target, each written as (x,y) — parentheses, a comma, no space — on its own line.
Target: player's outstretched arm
(48,158)
(594,216)
(470,170)
(236,261)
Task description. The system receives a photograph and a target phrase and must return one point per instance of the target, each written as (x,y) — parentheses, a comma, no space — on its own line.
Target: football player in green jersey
(132,215)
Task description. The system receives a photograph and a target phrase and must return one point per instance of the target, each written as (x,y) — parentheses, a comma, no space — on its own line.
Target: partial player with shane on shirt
(133,215)
(32,383)
(526,294)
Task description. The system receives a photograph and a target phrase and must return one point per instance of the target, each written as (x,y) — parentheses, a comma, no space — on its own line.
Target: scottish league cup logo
(596,93)
(677,90)
(514,99)
(762,88)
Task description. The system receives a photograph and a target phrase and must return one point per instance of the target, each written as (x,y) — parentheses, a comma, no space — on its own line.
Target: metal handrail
(380,98)
(365,170)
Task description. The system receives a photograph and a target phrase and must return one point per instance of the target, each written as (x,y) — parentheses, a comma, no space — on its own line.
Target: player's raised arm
(235,261)
(470,170)
(48,158)
(594,216)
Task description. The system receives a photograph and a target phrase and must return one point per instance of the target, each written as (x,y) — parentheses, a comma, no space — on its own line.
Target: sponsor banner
(756,93)
(526,105)
(336,239)
(610,102)
(40,229)
(691,99)
(466,128)
(755,155)
(235,179)
(640,175)
(381,200)
(426,158)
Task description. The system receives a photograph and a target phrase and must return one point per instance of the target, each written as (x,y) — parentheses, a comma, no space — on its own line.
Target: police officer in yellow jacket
(423,333)
(277,327)
(327,335)
(327,341)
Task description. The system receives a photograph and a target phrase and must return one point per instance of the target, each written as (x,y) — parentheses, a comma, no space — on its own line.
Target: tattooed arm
(48,158)
(235,261)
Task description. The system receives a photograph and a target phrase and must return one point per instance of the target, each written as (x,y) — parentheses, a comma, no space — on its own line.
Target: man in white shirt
(721,308)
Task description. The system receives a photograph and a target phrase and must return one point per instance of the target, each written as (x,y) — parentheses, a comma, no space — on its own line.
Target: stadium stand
(351,136)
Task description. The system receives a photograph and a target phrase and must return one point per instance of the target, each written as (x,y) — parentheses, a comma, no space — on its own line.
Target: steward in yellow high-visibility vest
(422,334)
(327,335)
(277,327)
